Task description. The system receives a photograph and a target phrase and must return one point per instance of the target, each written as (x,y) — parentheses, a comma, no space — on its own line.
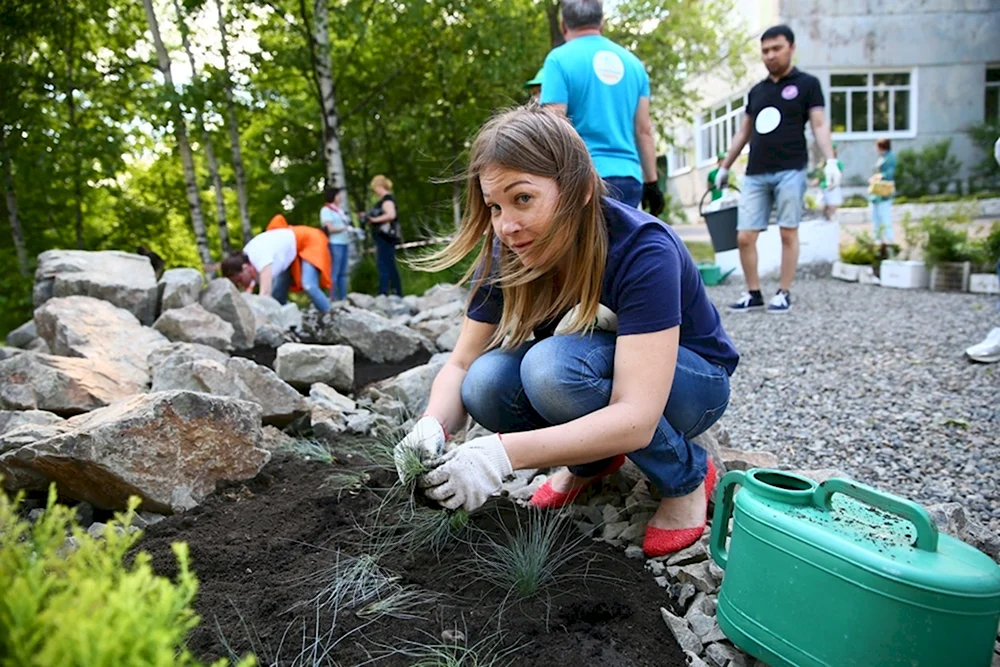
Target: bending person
(284,258)
(629,357)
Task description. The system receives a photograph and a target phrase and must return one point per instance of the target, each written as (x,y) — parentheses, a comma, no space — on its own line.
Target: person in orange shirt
(285,257)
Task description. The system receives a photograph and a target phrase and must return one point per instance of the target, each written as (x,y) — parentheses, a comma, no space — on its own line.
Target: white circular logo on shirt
(767,120)
(608,67)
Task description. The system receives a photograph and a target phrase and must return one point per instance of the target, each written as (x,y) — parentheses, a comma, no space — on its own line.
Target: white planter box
(984,283)
(866,276)
(904,274)
(848,272)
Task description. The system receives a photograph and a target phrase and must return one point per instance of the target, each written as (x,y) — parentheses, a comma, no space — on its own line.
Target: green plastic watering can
(840,574)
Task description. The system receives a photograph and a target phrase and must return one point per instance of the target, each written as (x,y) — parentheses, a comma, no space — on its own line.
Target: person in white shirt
(336,223)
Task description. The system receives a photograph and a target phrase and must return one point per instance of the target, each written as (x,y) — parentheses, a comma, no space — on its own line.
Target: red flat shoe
(547,498)
(663,541)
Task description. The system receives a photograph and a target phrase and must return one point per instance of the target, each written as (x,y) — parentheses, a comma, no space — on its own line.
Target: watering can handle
(927,532)
(720,518)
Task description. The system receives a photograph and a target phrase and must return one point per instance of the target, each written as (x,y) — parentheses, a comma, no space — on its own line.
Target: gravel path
(872,381)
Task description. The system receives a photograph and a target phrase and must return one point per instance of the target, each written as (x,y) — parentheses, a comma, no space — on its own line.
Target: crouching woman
(588,337)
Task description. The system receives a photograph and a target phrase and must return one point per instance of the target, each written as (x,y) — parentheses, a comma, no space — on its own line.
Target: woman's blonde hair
(380,181)
(534,141)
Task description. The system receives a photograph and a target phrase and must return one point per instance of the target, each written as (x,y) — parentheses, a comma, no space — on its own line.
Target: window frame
(673,154)
(870,89)
(730,121)
(990,85)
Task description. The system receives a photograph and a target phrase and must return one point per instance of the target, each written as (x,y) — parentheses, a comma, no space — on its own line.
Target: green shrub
(945,241)
(991,244)
(855,201)
(862,250)
(983,136)
(86,607)
(927,170)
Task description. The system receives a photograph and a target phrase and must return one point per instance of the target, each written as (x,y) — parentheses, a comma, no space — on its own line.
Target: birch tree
(234,131)
(332,155)
(16,233)
(206,138)
(183,145)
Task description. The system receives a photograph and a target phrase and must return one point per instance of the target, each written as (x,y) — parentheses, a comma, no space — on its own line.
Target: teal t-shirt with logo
(601,84)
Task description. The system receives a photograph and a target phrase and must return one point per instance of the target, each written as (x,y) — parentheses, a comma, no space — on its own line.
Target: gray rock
(223,299)
(372,336)
(700,623)
(291,317)
(194,324)
(696,574)
(391,408)
(413,387)
(324,394)
(713,440)
(613,531)
(8,352)
(822,474)
(695,553)
(143,520)
(327,421)
(447,340)
(952,519)
(97,529)
(82,326)
(11,419)
(693,660)
(722,655)
(170,366)
(269,319)
(274,440)
(29,433)
(121,278)
(303,365)
(686,639)
(449,311)
(736,459)
(23,336)
(363,301)
(360,423)
(66,386)
(440,295)
(179,288)
(195,440)
(38,345)
(252,382)
(525,492)
(685,592)
(634,551)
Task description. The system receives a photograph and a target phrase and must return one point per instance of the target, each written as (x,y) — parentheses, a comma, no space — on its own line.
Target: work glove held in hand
(469,474)
(427,437)
(832,173)
(652,198)
(721,178)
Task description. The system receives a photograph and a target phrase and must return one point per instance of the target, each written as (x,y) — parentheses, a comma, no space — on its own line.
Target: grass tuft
(311,450)
(488,652)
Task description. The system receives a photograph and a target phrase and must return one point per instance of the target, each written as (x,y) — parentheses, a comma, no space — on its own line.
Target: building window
(992,94)
(872,103)
(717,126)
(678,160)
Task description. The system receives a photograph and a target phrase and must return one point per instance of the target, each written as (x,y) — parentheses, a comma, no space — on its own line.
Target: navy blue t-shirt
(650,282)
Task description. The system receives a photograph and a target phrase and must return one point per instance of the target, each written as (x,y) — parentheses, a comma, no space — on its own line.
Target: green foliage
(991,245)
(855,201)
(85,607)
(945,241)
(984,136)
(701,251)
(863,250)
(914,234)
(926,170)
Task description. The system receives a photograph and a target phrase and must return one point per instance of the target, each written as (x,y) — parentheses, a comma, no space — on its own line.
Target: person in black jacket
(384,219)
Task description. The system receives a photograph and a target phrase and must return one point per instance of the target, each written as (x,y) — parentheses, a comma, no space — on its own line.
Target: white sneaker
(987,352)
(780,302)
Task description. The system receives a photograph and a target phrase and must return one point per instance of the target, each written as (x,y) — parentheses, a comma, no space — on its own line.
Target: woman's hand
(468,475)
(427,438)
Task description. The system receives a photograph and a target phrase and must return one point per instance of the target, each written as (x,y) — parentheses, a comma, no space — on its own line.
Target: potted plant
(901,270)
(986,257)
(947,252)
(857,260)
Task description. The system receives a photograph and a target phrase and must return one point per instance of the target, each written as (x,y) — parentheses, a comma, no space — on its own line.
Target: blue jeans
(562,378)
(785,190)
(338,253)
(388,272)
(882,219)
(625,189)
(282,282)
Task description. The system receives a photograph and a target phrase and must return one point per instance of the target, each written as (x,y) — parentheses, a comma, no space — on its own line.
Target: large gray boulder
(372,336)
(11,419)
(23,336)
(196,368)
(64,385)
(168,448)
(413,387)
(82,326)
(121,278)
(223,299)
(442,294)
(194,324)
(269,318)
(19,428)
(179,288)
(301,365)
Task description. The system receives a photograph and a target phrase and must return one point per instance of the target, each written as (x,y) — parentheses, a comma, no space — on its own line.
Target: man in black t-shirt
(776,114)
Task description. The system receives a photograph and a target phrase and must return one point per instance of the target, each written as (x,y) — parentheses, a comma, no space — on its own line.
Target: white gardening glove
(832,173)
(469,474)
(427,437)
(722,178)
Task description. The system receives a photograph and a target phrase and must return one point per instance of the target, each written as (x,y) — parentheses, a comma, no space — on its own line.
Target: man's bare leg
(747,241)
(789,256)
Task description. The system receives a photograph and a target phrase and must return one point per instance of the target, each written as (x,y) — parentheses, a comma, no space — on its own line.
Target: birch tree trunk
(234,132)
(213,164)
(16,233)
(183,146)
(324,72)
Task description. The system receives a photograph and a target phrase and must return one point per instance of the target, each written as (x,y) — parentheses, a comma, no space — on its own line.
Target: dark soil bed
(258,546)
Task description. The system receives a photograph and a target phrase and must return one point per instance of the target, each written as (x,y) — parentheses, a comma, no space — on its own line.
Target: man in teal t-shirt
(716,190)
(604,90)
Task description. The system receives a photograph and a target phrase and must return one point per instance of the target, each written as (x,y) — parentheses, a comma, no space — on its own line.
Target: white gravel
(872,381)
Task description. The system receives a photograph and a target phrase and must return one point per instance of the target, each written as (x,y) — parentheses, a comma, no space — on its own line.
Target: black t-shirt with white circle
(778,113)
